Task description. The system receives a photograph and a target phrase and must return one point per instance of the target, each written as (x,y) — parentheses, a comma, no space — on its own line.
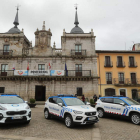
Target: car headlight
(77,112)
(27,107)
(2,108)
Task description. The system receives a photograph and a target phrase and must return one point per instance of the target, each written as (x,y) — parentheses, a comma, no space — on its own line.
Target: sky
(116,23)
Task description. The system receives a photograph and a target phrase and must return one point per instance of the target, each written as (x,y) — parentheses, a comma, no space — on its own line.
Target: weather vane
(18,6)
(76,5)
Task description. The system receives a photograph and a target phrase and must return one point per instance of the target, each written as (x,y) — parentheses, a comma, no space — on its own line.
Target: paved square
(50,129)
(110,128)
(113,128)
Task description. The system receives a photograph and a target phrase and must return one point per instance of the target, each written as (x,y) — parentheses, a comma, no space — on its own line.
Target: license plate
(91,118)
(17,117)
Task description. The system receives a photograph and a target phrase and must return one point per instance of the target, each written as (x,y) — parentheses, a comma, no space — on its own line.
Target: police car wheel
(69,121)
(47,114)
(135,118)
(100,113)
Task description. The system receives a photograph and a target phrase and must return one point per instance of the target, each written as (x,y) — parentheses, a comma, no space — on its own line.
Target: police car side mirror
(60,104)
(26,102)
(122,104)
(87,103)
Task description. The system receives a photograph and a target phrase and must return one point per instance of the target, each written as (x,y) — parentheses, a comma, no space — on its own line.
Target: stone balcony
(70,75)
(78,53)
(6,53)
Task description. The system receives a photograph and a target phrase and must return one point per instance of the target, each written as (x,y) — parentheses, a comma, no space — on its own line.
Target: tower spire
(76,17)
(16,18)
(43,27)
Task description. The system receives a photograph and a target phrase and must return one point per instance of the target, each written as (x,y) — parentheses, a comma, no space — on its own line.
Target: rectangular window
(118,101)
(107,61)
(120,62)
(78,68)
(109,78)
(6,50)
(121,78)
(133,78)
(79,91)
(2,89)
(4,68)
(41,66)
(131,61)
(78,50)
(108,100)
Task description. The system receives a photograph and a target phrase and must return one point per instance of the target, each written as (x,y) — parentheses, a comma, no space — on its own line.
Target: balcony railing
(75,73)
(6,72)
(120,64)
(6,53)
(78,52)
(78,73)
(110,64)
(132,65)
(126,81)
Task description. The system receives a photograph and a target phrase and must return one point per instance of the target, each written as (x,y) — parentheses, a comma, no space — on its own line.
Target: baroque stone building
(76,57)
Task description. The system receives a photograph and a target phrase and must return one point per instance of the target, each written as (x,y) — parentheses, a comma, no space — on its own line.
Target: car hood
(15,107)
(137,106)
(83,108)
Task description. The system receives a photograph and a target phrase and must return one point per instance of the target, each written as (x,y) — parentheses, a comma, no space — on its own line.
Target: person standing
(83,98)
(95,98)
(99,96)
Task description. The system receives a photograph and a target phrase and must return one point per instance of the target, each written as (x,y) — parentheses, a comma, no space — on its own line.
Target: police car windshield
(73,101)
(10,100)
(131,101)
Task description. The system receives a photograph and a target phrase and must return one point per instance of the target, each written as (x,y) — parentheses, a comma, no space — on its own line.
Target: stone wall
(26,89)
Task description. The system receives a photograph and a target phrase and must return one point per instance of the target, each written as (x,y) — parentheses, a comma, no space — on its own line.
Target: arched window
(134,94)
(109,92)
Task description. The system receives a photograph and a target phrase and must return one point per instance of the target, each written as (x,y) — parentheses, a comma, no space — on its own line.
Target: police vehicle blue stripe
(123,111)
(126,112)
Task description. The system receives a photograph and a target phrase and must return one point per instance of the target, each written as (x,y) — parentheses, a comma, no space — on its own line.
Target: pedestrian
(83,98)
(99,96)
(95,98)
(75,95)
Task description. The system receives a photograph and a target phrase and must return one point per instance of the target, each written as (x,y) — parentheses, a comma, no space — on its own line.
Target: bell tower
(43,37)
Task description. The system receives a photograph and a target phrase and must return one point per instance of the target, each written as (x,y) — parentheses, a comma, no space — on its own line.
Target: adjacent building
(119,73)
(45,70)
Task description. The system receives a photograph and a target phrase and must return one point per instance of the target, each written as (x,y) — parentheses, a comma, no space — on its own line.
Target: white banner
(38,72)
(57,72)
(21,72)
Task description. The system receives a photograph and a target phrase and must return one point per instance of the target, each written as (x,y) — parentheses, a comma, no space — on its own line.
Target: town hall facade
(75,63)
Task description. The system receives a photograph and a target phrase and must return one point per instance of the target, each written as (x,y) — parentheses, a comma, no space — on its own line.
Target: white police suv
(118,105)
(71,109)
(13,109)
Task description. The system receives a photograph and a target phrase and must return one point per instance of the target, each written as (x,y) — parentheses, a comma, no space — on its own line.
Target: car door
(117,108)
(52,105)
(106,104)
(60,109)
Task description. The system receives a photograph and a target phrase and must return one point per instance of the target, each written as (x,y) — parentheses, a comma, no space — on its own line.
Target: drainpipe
(99,75)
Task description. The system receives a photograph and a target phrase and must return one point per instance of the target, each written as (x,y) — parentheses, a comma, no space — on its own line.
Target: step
(40,102)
